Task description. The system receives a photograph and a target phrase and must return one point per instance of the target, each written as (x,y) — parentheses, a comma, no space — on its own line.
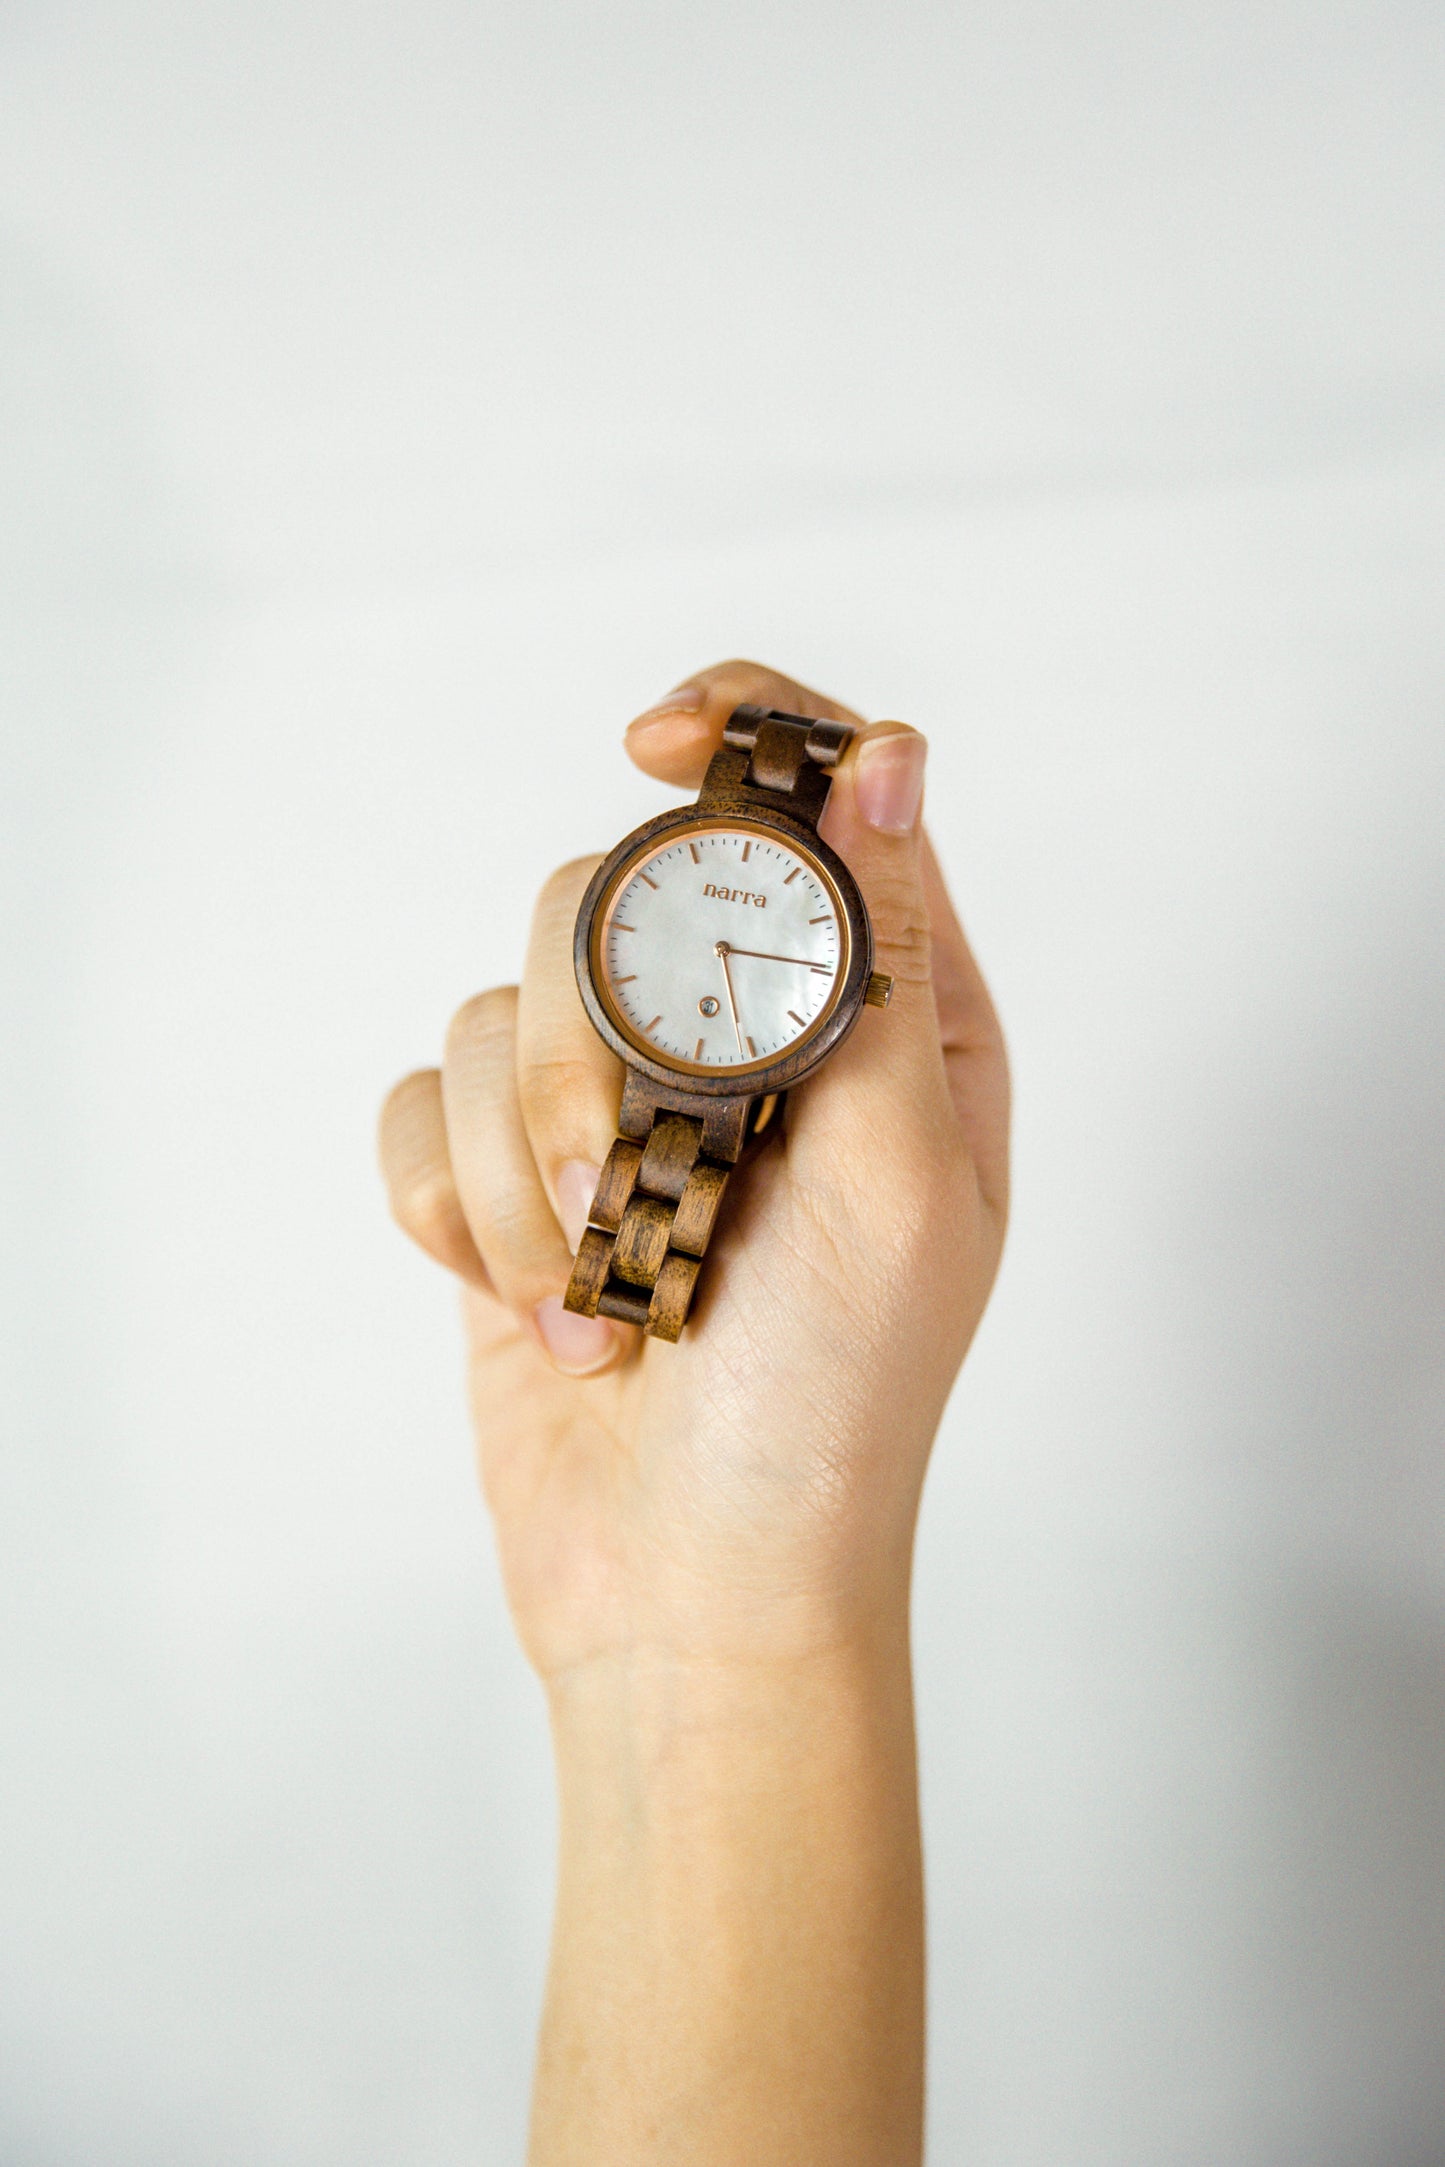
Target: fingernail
(576,1344)
(889,780)
(686,700)
(576,1186)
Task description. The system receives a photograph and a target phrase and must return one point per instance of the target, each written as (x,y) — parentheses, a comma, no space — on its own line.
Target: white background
(392,401)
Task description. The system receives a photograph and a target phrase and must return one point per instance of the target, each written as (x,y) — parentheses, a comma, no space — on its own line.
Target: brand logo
(737,895)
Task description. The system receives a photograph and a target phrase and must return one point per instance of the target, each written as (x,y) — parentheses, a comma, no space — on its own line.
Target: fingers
(675,739)
(492,1165)
(512,1223)
(417,1169)
(569,1083)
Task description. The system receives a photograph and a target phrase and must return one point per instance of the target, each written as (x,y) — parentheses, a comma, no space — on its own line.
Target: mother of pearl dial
(722,947)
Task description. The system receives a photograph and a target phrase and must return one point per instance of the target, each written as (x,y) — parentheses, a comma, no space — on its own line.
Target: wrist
(720,1649)
(655,1722)
(739,1925)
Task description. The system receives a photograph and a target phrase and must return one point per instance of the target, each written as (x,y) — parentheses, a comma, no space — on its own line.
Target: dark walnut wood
(671,1155)
(697,1209)
(640,1245)
(619,1172)
(672,1297)
(638,1261)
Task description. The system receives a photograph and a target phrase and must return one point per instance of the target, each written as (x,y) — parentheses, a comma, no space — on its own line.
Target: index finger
(675,739)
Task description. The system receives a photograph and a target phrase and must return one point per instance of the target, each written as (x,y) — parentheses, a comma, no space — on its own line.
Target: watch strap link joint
(823,742)
(775,762)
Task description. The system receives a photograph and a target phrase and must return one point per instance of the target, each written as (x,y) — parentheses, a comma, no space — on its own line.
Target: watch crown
(879,990)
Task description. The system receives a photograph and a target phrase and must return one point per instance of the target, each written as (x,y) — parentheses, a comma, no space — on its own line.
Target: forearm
(737,1968)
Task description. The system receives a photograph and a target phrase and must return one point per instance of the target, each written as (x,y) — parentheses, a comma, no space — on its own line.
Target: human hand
(752,1490)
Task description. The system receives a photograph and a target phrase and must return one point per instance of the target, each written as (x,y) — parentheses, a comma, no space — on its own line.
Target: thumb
(874,820)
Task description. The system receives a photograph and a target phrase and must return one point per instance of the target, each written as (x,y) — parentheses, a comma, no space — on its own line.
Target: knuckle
(561,1077)
(483,1020)
(405,1097)
(742,676)
(737,666)
(561,891)
(426,1206)
(564,1095)
(902,934)
(524,1253)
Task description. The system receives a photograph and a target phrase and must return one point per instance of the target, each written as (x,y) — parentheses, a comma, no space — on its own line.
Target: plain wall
(392,402)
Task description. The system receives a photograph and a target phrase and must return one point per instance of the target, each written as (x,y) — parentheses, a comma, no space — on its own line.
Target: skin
(707,1547)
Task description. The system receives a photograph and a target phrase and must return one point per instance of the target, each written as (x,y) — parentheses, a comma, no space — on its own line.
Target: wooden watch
(722,951)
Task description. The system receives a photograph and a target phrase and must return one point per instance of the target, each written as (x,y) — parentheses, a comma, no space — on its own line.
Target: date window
(707,1006)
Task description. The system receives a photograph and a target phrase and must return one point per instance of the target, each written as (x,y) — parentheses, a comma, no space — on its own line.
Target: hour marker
(796,1018)
(648,878)
(826,919)
(752,1049)
(797,869)
(747,850)
(619,927)
(656,1019)
(697,1049)
(695,858)
(627,981)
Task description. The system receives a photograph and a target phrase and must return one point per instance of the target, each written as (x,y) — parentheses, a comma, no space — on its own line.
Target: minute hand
(804,962)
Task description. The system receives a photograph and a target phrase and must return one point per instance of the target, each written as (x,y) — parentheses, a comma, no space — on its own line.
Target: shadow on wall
(1325,1300)
(97,576)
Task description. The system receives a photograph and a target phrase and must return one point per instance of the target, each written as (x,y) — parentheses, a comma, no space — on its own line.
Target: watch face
(721,947)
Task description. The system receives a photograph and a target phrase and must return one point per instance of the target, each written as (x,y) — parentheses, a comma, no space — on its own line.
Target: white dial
(722,947)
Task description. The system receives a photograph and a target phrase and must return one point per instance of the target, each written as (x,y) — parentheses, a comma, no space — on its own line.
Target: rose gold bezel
(647,843)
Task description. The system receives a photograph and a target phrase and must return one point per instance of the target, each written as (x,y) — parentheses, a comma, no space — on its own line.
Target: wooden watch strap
(650,1223)
(774,762)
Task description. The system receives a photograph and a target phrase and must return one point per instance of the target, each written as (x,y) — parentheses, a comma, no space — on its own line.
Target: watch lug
(728,787)
(724,1121)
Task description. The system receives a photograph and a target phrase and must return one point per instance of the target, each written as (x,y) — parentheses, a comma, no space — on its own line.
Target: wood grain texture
(626,1305)
(671,1154)
(672,1297)
(641,1242)
(614,1188)
(589,1272)
(643,1270)
(697,1209)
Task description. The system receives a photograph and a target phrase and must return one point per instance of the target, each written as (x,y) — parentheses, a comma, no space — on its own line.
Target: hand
(751,1491)
(707,1545)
